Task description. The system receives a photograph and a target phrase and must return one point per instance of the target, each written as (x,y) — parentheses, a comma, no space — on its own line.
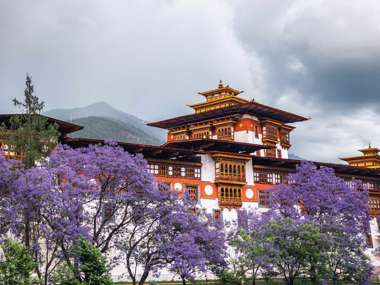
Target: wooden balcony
(171,169)
(269,137)
(226,138)
(230,203)
(374,206)
(229,196)
(228,170)
(285,141)
(225,178)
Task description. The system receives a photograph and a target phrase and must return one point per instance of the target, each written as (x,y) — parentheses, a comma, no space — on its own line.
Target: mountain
(294,156)
(102,121)
(105,128)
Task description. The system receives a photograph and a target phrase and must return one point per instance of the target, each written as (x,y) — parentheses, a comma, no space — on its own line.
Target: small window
(265,199)
(193,192)
(170,170)
(217,214)
(153,168)
(277,178)
(197,173)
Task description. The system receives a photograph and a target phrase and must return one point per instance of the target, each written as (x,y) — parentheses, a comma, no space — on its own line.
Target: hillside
(105,128)
(102,121)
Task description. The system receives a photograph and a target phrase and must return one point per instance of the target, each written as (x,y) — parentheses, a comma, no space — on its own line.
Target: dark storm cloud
(321,59)
(327,50)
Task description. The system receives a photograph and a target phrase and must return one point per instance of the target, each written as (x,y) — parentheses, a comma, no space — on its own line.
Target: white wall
(208,168)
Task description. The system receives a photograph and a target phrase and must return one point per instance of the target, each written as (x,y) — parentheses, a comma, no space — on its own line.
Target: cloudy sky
(318,58)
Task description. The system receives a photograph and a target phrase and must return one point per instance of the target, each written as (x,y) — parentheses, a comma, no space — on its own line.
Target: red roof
(217,145)
(252,108)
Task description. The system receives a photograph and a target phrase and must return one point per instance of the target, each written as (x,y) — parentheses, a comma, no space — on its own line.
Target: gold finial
(369,145)
(220,85)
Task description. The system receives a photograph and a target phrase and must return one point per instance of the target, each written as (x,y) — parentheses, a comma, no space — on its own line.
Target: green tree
(294,244)
(90,267)
(251,253)
(16,265)
(32,135)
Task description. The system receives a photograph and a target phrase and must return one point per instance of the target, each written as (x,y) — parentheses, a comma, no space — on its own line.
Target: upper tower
(370,158)
(224,115)
(219,98)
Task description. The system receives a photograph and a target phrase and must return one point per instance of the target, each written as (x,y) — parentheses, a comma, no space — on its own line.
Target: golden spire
(220,85)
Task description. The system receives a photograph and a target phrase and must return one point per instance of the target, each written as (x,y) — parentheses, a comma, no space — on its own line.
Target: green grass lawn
(216,282)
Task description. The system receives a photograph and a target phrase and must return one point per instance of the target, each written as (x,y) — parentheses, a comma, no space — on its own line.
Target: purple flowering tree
(9,173)
(129,217)
(198,244)
(339,209)
(92,192)
(53,226)
(115,189)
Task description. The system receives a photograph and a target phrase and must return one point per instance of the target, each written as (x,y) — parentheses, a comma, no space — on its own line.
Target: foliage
(251,243)
(16,265)
(92,265)
(32,134)
(339,209)
(316,229)
(230,277)
(293,244)
(105,195)
(63,275)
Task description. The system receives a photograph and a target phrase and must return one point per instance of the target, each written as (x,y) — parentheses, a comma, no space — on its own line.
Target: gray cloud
(321,58)
(150,58)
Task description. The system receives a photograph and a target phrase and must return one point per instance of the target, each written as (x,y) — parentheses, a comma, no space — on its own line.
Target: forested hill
(101,121)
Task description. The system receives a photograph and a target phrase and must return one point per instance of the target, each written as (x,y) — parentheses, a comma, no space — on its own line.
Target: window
(192,191)
(183,171)
(197,173)
(260,177)
(270,178)
(217,214)
(170,170)
(369,240)
(165,186)
(230,195)
(277,178)
(279,153)
(153,168)
(265,199)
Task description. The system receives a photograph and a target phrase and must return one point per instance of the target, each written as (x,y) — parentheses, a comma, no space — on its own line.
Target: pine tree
(32,135)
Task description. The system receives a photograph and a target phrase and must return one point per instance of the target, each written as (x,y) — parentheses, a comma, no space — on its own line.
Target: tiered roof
(223,102)
(370,158)
(217,145)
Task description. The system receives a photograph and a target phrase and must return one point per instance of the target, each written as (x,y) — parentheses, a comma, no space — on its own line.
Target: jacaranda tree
(105,195)
(339,209)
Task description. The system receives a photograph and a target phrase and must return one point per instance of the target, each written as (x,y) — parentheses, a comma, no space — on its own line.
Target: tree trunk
(183,281)
(313,276)
(144,276)
(253,280)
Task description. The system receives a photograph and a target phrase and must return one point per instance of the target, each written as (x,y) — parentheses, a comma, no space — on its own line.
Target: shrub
(16,265)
